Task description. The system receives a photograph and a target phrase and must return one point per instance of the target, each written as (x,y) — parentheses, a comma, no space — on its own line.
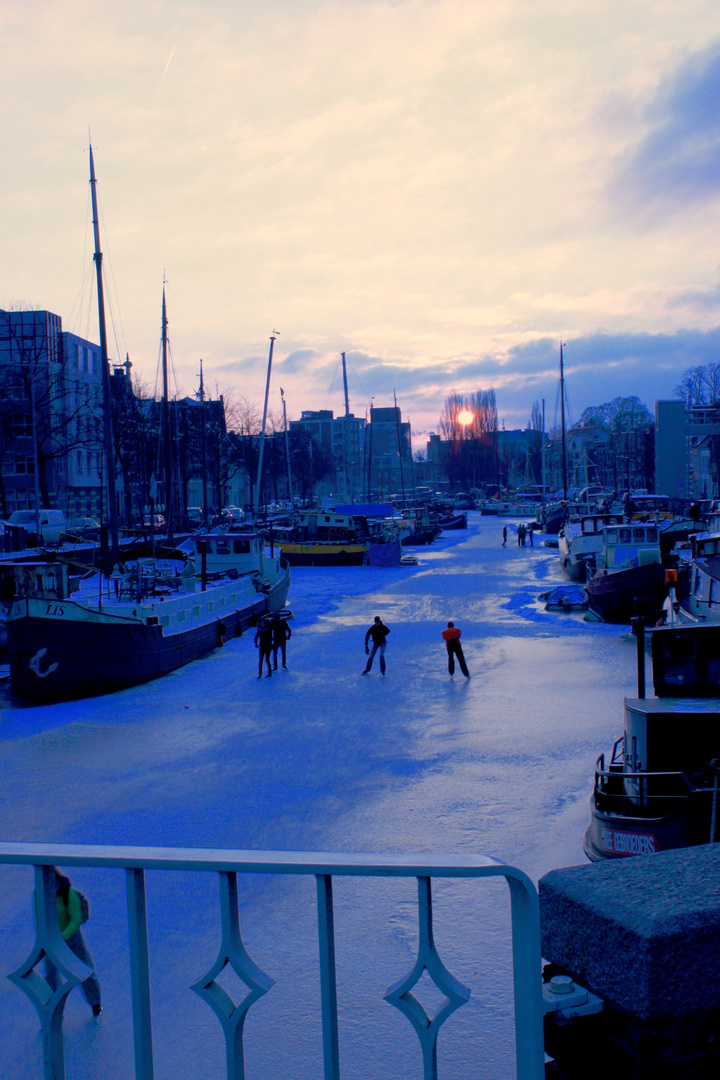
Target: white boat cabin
(625,546)
(242,552)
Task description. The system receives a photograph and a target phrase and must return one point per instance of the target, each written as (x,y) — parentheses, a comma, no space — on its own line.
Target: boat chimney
(639,631)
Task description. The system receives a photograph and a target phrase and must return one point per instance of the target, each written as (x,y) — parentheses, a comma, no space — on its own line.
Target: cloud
(677,163)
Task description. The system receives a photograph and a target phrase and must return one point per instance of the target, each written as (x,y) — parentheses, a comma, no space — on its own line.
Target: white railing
(324,867)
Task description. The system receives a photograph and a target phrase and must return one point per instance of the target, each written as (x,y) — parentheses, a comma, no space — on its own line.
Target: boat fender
(222,630)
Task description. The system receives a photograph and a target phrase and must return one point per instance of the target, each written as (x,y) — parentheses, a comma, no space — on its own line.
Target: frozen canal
(321,758)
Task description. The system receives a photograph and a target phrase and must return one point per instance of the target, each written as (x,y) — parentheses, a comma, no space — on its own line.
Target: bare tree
(700,385)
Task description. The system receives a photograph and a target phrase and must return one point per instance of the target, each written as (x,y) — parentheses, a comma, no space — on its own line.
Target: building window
(18,464)
(21,426)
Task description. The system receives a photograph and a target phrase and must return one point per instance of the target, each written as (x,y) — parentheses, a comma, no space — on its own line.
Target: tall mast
(204,446)
(167,448)
(287,449)
(107,403)
(256,505)
(543,448)
(562,423)
(412,466)
(348,467)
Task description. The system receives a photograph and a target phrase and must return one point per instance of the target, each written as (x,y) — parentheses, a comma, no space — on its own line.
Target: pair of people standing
(272,635)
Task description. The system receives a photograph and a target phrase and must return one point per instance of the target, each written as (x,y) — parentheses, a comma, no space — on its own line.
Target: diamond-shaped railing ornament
(71,971)
(400,995)
(232,952)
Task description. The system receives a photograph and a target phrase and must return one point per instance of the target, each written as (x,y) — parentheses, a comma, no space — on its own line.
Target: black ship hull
(58,659)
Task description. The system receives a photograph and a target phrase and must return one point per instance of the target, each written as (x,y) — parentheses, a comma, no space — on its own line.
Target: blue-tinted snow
(322,758)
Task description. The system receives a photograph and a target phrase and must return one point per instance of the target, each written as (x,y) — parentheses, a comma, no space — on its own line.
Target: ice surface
(322,758)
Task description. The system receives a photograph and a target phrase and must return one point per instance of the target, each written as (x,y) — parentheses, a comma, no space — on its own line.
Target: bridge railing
(324,867)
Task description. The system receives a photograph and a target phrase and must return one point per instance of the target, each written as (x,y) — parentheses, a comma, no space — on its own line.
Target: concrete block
(642,932)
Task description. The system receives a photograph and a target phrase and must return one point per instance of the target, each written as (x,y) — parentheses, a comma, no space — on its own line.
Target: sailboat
(155,616)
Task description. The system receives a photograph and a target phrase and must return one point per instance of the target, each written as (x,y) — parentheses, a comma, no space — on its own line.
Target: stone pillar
(643,933)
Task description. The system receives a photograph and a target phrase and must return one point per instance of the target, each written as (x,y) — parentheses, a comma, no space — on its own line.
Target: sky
(443,189)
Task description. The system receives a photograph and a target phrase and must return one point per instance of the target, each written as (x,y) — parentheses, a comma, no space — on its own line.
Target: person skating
(378,632)
(451,636)
(264,642)
(281,635)
(70,919)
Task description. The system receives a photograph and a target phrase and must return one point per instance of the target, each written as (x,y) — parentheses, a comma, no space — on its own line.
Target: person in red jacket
(451,637)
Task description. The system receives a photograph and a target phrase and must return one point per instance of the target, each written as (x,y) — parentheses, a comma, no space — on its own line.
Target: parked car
(52,525)
(86,527)
(194,516)
(156,522)
(233,514)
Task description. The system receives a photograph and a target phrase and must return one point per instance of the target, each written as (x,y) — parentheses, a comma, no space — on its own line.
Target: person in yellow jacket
(70,918)
(451,636)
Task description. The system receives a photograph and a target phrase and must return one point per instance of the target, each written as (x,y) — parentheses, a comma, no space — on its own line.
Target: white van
(52,524)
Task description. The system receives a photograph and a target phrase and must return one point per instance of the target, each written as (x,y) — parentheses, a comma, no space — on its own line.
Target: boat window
(652,536)
(697,588)
(713,672)
(223,547)
(714,592)
(639,536)
(679,660)
(612,536)
(207,543)
(625,536)
(240,546)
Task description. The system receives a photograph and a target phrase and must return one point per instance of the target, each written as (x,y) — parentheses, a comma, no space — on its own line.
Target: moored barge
(660,788)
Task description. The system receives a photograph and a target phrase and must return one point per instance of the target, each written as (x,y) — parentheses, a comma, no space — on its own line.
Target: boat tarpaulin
(384,554)
(368,510)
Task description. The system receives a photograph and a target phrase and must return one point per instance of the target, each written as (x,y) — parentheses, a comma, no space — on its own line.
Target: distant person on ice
(264,642)
(504,535)
(378,632)
(281,633)
(451,637)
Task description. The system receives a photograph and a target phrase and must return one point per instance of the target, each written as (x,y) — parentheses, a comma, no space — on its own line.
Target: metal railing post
(328,984)
(527,978)
(139,973)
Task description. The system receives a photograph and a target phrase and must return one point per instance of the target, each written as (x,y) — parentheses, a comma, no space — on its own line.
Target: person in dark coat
(281,635)
(70,917)
(451,637)
(264,642)
(378,632)
(504,536)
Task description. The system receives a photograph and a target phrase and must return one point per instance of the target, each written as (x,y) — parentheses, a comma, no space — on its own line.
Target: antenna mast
(562,423)
(107,402)
(256,505)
